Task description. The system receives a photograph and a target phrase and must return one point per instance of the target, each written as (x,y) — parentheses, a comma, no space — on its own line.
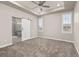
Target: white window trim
(62,23)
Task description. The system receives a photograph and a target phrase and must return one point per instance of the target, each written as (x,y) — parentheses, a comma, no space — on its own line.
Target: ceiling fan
(41,3)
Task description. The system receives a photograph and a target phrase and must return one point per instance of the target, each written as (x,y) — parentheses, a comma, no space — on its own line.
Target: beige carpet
(40,47)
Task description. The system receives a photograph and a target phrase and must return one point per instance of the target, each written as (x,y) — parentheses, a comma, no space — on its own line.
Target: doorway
(25,29)
(20,29)
(16,29)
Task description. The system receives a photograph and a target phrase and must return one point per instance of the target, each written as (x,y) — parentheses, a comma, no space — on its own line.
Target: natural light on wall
(40,24)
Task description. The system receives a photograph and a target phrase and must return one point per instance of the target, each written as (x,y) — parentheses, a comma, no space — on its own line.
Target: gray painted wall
(52,25)
(76,26)
(6,14)
(53,28)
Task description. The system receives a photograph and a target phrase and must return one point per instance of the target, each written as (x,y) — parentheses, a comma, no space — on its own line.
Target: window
(67,22)
(40,24)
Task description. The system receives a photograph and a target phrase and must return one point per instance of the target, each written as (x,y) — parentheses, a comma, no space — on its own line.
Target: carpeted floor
(40,47)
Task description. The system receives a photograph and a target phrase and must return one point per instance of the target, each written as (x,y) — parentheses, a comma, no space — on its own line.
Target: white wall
(34,27)
(76,26)
(53,27)
(6,14)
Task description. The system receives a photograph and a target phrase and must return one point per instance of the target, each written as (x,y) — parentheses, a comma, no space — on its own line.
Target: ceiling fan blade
(41,3)
(46,6)
(35,3)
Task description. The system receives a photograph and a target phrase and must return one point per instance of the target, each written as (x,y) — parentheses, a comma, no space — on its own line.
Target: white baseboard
(33,37)
(37,37)
(65,41)
(24,39)
(2,46)
(76,47)
(58,39)
(30,38)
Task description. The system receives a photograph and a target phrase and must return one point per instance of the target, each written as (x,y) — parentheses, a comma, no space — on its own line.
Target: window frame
(63,31)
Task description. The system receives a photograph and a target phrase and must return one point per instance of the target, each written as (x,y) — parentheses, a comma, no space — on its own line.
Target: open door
(25,29)
(16,29)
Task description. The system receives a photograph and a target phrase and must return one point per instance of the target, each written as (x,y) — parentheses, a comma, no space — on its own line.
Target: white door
(25,29)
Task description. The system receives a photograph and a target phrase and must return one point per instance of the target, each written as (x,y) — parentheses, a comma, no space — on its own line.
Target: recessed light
(58,5)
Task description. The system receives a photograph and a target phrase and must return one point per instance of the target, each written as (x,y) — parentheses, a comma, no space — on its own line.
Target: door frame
(29,30)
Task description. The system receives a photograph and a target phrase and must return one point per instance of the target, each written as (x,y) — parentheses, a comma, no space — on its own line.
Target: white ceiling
(35,9)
